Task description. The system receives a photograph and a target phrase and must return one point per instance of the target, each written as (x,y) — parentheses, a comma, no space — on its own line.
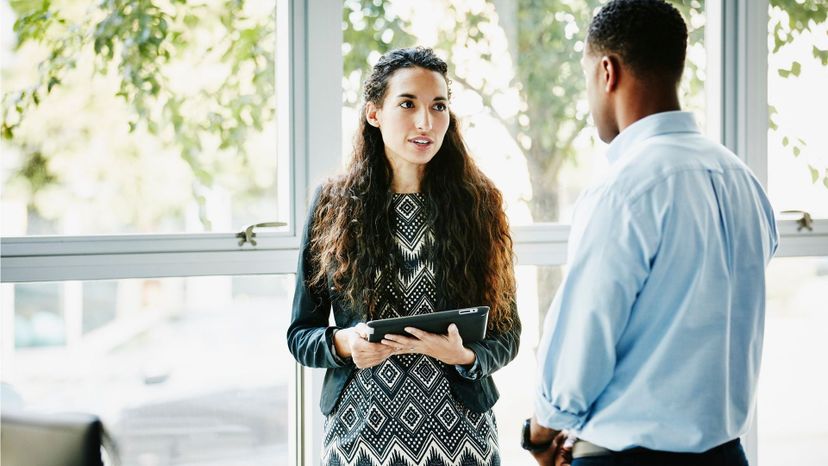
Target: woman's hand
(447,348)
(353,342)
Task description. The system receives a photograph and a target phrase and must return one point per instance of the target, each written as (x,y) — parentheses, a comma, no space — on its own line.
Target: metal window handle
(804,222)
(247,235)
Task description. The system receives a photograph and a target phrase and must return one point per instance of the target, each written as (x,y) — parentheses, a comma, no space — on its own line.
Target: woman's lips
(421,142)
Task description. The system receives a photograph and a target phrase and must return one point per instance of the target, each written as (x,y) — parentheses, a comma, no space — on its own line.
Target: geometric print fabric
(402,412)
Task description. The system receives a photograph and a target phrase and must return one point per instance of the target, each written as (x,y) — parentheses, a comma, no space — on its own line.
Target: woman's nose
(423,121)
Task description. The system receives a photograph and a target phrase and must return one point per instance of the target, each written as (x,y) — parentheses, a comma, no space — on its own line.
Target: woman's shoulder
(333,187)
(326,191)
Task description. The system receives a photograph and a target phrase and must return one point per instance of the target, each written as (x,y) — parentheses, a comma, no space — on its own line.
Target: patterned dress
(402,412)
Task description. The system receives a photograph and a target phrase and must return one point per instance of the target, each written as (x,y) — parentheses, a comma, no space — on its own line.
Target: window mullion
(147,265)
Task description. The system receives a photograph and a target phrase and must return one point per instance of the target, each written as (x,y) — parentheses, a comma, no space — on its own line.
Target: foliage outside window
(797,73)
(517,85)
(125,116)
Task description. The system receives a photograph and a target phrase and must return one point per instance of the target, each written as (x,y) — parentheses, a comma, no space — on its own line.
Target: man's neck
(640,103)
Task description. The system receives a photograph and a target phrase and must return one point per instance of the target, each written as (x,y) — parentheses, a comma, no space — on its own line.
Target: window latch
(804,222)
(247,235)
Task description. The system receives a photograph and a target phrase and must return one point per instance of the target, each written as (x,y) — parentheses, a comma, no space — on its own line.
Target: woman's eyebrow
(412,96)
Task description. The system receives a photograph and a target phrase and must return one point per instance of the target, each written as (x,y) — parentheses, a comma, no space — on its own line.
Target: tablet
(471,322)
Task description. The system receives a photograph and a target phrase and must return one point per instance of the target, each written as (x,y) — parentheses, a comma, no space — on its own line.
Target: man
(652,346)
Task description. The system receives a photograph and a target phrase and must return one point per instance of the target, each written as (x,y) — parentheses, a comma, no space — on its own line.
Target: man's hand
(447,348)
(353,342)
(558,453)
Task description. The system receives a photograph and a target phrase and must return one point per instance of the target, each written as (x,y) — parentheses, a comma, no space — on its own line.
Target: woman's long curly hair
(353,233)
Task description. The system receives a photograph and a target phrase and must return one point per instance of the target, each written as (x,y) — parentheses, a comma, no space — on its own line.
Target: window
(161,116)
(517,86)
(798,142)
(125,292)
(182,370)
(782,51)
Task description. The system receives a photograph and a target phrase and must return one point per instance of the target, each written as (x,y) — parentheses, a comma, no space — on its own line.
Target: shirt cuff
(473,372)
(340,361)
(552,417)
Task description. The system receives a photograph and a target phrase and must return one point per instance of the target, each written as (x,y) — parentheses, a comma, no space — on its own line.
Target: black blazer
(310,341)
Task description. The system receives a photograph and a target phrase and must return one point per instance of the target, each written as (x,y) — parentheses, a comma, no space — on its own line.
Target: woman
(413,226)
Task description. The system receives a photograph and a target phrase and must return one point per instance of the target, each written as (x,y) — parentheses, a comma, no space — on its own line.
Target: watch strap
(525,441)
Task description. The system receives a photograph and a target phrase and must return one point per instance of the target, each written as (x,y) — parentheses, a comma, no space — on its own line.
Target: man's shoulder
(678,151)
(660,158)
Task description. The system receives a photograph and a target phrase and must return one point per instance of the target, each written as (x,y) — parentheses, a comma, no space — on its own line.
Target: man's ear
(610,72)
(371,116)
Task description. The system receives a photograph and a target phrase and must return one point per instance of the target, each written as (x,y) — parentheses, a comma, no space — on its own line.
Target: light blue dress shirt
(654,338)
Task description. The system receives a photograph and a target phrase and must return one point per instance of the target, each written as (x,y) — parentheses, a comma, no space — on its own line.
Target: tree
(138,50)
(545,39)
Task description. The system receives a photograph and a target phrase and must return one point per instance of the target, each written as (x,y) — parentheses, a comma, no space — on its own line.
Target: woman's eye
(407,104)
(440,107)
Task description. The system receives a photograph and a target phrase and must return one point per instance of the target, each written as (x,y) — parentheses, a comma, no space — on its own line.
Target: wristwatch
(526,444)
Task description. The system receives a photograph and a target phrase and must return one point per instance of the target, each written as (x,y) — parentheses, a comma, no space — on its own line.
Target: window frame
(309,59)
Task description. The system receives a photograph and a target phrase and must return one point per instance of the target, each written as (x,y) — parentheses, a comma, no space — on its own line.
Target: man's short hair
(649,36)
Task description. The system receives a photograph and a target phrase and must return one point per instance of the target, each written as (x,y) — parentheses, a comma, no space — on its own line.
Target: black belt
(583,448)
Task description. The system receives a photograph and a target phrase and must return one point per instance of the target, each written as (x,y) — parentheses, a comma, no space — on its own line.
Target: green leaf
(783,73)
(25,7)
(796,68)
(785,141)
(53,81)
(822,55)
(796,151)
(814,173)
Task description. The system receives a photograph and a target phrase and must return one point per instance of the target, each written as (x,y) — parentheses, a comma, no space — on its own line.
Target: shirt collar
(649,126)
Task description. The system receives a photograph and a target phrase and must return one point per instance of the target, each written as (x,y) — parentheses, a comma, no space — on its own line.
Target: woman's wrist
(466,358)
(342,345)
(471,357)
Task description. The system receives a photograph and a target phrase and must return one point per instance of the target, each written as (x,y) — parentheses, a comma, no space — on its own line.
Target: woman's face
(413,118)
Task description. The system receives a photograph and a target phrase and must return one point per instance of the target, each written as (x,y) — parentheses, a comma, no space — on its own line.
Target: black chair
(30,439)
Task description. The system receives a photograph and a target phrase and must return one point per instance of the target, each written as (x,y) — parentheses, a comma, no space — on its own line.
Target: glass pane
(517,87)
(797,73)
(183,371)
(517,381)
(161,117)
(792,402)
(38,316)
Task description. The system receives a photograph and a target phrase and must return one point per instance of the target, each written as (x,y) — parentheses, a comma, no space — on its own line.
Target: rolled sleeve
(493,352)
(337,360)
(553,417)
(472,372)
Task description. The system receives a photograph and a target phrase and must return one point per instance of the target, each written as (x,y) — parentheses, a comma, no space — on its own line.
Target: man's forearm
(540,435)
